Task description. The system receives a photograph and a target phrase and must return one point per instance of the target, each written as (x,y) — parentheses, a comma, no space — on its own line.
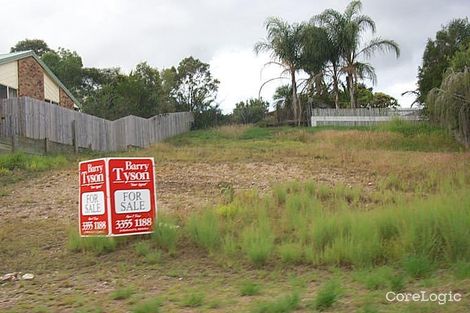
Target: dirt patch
(181,187)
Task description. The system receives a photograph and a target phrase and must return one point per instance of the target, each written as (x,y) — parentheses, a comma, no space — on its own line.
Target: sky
(122,33)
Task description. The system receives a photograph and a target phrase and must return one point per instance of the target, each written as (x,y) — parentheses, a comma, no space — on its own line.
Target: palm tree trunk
(294,96)
(351,91)
(335,86)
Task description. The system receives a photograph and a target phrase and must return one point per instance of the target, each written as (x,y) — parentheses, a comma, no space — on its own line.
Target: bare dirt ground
(181,187)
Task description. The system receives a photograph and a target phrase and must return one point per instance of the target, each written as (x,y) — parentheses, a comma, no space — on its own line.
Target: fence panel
(34,119)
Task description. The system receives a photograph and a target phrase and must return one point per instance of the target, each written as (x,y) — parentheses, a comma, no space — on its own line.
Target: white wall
(9,74)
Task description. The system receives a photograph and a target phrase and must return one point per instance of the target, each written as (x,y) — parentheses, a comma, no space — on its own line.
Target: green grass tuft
(98,245)
(149,306)
(285,304)
(327,295)
(249,288)
(193,300)
(121,294)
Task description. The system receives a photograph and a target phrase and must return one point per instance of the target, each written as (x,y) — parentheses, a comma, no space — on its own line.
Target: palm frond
(380,45)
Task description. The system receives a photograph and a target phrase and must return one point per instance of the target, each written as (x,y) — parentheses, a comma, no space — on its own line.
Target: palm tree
(346,29)
(284,44)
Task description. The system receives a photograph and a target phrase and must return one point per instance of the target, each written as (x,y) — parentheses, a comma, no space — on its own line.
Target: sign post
(126,202)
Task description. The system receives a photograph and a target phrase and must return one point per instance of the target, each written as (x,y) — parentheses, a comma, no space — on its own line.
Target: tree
(449,40)
(37,45)
(382,100)
(284,43)
(250,111)
(347,30)
(449,105)
(67,66)
(195,88)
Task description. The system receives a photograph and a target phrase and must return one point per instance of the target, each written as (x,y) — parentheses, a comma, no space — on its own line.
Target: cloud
(122,33)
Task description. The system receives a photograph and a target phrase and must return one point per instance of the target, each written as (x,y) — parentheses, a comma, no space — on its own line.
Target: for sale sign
(132,190)
(93,198)
(129,196)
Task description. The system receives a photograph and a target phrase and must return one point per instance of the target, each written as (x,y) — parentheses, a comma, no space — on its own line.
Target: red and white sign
(129,196)
(93,198)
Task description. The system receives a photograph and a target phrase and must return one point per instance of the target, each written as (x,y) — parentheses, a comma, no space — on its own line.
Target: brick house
(23,74)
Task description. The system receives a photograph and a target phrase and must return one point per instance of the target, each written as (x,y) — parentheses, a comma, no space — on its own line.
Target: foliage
(193,300)
(195,88)
(438,54)
(346,31)
(250,111)
(37,45)
(449,105)
(284,43)
(166,234)
(28,162)
(67,66)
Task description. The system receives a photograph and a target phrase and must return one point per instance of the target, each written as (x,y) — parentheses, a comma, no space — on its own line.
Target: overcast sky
(122,33)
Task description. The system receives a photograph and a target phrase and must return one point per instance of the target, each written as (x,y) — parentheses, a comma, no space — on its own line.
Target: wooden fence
(34,119)
(362,116)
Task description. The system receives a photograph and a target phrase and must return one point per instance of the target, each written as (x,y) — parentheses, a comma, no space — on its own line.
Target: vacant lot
(252,220)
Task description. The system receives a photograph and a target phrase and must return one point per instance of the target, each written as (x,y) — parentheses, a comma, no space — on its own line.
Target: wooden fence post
(46,145)
(74,137)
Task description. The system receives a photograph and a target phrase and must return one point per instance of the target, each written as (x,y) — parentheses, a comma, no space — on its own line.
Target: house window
(7,92)
(50,101)
(3,92)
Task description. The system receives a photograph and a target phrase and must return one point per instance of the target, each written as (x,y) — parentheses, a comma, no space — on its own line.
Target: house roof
(15,56)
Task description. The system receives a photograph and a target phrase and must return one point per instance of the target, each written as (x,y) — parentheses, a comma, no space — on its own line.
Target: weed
(193,300)
(258,242)
(291,252)
(166,234)
(285,304)
(98,245)
(461,270)
(249,288)
(327,295)
(418,266)
(204,230)
(142,248)
(149,306)
(121,294)
(153,257)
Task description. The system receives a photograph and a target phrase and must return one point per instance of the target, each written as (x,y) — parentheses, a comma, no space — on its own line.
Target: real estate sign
(117,196)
